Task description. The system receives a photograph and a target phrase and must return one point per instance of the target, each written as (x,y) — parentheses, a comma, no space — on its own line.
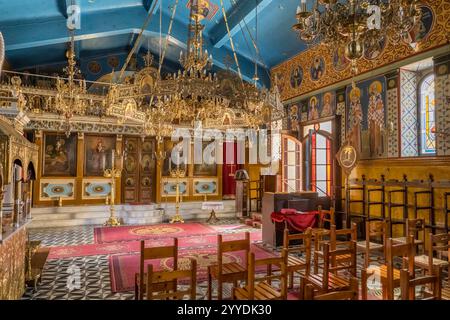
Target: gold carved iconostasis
(72,168)
(72,171)
(199,180)
(381,116)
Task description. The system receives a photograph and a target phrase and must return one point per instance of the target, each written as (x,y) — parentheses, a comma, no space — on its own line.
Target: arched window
(426,113)
(318,158)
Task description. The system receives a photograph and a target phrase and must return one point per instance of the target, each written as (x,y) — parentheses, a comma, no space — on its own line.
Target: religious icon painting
(206,8)
(130,164)
(317,69)
(421,30)
(355,117)
(340,61)
(60,155)
(147,163)
(313,108)
(205,169)
(94,67)
(98,154)
(376,118)
(172,148)
(296,77)
(374,50)
(113,62)
(293,117)
(328,104)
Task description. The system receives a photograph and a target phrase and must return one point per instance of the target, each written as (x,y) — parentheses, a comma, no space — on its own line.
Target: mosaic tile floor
(94,280)
(94,283)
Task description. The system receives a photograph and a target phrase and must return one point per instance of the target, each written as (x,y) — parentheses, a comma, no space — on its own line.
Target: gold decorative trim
(438,36)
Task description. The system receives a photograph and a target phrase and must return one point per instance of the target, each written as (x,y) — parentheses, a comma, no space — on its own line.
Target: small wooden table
(213,206)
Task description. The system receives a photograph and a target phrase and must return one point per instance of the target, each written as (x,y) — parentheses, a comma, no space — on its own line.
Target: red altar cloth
(299,221)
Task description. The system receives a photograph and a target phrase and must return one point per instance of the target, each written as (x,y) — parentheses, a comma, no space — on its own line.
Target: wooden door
(138,179)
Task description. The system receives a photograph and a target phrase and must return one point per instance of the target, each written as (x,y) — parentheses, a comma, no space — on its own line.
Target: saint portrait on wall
(317,68)
(313,109)
(205,169)
(355,118)
(328,105)
(421,29)
(60,155)
(375,118)
(293,116)
(296,77)
(168,164)
(340,61)
(374,50)
(98,154)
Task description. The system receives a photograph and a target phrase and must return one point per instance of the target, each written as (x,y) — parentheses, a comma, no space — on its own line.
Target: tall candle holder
(113,174)
(177,173)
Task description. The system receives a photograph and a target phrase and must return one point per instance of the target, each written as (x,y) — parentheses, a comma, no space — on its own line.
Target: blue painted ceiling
(37,37)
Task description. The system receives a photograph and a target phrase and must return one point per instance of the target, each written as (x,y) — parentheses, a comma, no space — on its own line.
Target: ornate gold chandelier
(157,105)
(356,25)
(68,100)
(195,94)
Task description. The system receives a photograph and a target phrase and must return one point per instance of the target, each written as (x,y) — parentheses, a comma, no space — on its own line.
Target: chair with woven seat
(153,253)
(415,228)
(261,288)
(437,243)
(377,230)
(388,274)
(349,235)
(330,280)
(351,294)
(156,280)
(296,263)
(231,272)
(408,284)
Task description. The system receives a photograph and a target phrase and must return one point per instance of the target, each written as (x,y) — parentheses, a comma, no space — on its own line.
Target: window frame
(426,76)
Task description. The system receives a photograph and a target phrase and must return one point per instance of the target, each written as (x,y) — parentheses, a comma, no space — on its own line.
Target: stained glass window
(427,120)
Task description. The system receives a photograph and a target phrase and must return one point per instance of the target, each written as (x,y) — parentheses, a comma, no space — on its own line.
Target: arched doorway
(17,179)
(318,159)
(27,190)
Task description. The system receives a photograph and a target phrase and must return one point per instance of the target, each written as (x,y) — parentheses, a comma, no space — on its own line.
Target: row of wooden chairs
(163,284)
(336,254)
(433,266)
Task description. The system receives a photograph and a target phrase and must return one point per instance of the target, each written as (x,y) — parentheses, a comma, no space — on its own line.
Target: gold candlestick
(113,174)
(177,173)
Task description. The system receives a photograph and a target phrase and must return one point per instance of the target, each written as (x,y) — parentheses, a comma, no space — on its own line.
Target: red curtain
(228,182)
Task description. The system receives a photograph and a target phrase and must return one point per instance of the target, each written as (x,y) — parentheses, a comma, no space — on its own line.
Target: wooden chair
(351,294)
(374,229)
(156,279)
(408,284)
(415,228)
(388,275)
(325,217)
(260,288)
(436,245)
(228,272)
(152,253)
(329,280)
(295,263)
(349,234)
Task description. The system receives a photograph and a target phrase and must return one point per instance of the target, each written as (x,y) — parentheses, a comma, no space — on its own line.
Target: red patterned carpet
(124,267)
(159,231)
(134,246)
